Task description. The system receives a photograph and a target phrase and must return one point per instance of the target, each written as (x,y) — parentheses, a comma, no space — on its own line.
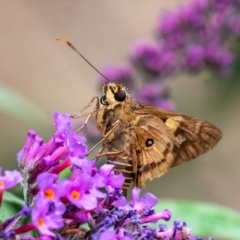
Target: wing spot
(149,142)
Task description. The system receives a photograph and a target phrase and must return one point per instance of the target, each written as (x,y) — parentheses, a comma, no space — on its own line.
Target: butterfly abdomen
(124,166)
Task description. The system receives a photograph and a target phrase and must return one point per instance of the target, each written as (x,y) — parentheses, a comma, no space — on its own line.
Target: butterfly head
(114,94)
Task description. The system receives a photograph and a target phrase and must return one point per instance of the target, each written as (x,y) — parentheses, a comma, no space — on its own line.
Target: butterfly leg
(105,136)
(106,154)
(78,115)
(86,121)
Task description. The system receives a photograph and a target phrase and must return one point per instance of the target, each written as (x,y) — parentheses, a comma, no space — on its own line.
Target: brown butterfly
(143,141)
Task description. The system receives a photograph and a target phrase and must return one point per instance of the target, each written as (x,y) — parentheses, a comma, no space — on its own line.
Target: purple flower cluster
(199,34)
(77,207)
(196,36)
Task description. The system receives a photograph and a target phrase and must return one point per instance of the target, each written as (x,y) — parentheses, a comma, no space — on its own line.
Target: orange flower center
(49,193)
(41,222)
(2,184)
(75,195)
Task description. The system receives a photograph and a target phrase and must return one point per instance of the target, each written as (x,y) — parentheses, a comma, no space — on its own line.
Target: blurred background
(39,76)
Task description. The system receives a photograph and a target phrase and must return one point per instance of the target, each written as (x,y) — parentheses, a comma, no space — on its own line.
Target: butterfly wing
(175,138)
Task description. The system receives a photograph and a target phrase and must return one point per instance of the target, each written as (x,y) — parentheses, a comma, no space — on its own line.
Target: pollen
(49,193)
(75,195)
(2,184)
(41,222)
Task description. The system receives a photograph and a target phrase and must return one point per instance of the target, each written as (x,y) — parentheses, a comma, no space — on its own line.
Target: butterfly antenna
(74,49)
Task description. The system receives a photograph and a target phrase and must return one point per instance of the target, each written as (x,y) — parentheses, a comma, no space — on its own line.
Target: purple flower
(165,215)
(219,57)
(140,204)
(118,74)
(62,122)
(193,14)
(84,166)
(168,23)
(153,58)
(37,157)
(195,57)
(10,179)
(148,93)
(113,180)
(199,32)
(76,147)
(178,231)
(79,192)
(48,189)
(156,95)
(75,144)
(146,55)
(234,24)
(47,216)
(111,234)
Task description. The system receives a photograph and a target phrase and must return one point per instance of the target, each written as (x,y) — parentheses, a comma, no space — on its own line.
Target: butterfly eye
(120,96)
(103,100)
(149,142)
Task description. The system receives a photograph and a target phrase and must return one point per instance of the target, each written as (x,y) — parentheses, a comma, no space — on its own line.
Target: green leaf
(65,173)
(21,108)
(9,197)
(205,219)
(11,205)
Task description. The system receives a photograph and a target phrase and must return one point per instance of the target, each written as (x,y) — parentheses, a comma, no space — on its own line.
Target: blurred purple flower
(153,58)
(199,32)
(10,179)
(155,95)
(195,57)
(118,74)
(146,55)
(219,57)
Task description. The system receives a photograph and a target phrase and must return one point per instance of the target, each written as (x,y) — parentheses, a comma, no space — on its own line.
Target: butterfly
(142,141)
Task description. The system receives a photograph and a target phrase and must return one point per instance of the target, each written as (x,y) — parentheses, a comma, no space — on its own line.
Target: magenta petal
(88,202)
(122,201)
(164,215)
(109,234)
(98,194)
(116,181)
(106,168)
(11,178)
(146,202)
(46,179)
(62,122)
(135,196)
